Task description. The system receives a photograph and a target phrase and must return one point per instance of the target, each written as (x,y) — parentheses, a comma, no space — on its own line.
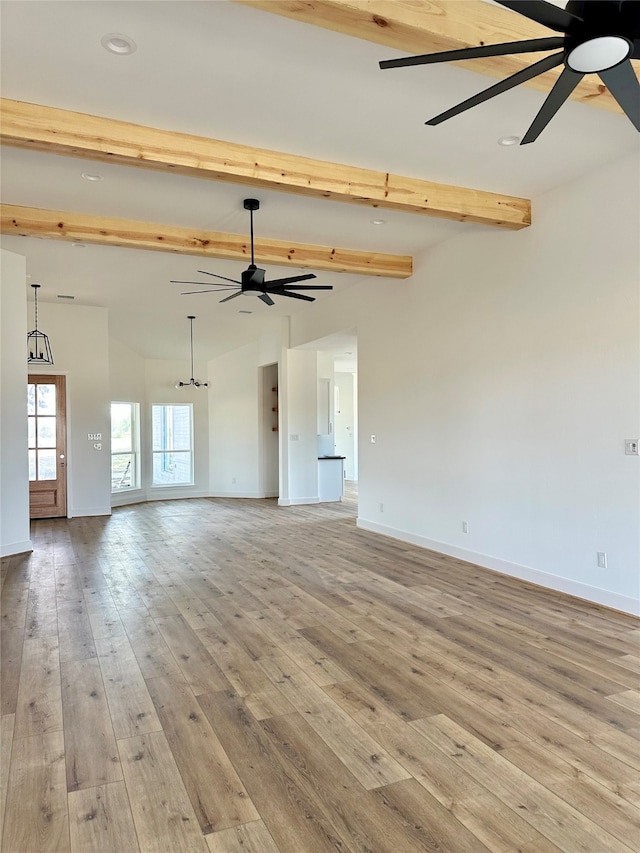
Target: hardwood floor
(227,676)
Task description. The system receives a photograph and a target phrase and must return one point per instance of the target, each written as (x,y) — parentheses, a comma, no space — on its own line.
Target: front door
(46,412)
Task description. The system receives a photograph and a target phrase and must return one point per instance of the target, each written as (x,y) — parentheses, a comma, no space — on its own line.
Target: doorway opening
(270,440)
(337,382)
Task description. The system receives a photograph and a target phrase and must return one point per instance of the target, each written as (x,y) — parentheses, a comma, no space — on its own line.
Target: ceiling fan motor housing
(604,36)
(253,279)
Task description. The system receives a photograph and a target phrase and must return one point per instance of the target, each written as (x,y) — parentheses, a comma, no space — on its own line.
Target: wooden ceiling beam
(430,26)
(106,231)
(74,134)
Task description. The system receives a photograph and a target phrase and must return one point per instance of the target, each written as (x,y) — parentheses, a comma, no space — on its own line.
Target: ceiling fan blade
(215,274)
(503,86)
(623,84)
(233,296)
(563,87)
(544,13)
(278,282)
(294,295)
(219,290)
(306,287)
(527,46)
(213,284)
(266,299)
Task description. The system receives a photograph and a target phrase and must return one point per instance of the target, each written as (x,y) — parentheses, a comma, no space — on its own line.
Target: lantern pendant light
(38,345)
(192,383)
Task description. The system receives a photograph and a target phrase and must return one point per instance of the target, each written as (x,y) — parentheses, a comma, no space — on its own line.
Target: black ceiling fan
(252,279)
(599,37)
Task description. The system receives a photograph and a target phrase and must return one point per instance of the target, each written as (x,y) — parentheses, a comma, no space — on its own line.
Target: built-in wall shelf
(274,409)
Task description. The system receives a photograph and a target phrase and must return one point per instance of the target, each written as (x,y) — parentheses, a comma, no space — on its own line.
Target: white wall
(500,382)
(346,423)
(298,422)
(126,373)
(14,482)
(235,404)
(80,345)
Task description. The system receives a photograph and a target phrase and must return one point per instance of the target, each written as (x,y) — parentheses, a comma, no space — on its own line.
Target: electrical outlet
(631,446)
(97,445)
(233,480)
(465,526)
(602,559)
(373,439)
(294,437)
(381,507)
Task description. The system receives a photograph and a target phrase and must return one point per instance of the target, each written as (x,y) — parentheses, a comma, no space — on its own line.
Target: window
(172,443)
(125,441)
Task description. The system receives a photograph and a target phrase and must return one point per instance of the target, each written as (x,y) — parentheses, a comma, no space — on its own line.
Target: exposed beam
(106,231)
(428,26)
(76,134)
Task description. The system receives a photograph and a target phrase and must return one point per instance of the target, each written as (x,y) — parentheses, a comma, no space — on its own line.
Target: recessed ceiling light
(91,176)
(378,221)
(508,140)
(118,43)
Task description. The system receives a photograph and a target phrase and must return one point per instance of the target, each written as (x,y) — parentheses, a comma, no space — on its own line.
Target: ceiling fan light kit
(252,280)
(599,37)
(192,383)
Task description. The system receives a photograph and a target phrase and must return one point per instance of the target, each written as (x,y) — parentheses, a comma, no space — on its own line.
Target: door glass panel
(32,431)
(46,399)
(46,465)
(32,464)
(46,432)
(31,399)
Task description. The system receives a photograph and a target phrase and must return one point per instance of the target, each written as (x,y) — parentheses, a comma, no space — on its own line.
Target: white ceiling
(226,71)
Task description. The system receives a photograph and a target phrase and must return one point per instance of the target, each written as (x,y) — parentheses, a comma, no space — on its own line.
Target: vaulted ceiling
(279,100)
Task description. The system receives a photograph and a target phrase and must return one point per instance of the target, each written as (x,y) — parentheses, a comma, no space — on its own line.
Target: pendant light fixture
(38,345)
(192,383)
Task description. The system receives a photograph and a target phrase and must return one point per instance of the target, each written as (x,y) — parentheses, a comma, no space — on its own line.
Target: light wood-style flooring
(227,676)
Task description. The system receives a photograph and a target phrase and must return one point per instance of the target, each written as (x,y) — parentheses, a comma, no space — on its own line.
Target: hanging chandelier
(38,345)
(193,383)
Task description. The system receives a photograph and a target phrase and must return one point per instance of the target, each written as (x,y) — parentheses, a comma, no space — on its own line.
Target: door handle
(62,463)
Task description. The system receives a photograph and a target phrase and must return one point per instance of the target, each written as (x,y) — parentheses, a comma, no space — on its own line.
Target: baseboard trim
(83,511)
(16,548)
(254,495)
(172,493)
(297,501)
(593,594)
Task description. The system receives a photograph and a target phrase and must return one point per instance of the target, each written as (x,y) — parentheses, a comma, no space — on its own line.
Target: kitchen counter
(330,478)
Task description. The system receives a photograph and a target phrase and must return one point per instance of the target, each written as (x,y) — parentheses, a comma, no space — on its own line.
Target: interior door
(46,415)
